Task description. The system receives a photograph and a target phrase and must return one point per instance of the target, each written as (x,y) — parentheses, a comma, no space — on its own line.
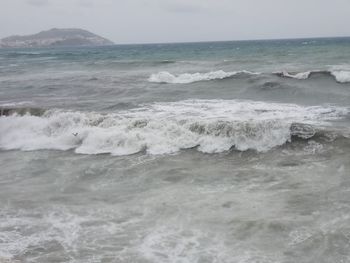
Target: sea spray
(210,125)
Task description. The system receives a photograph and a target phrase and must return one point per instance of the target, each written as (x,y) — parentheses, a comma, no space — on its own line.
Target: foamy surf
(212,126)
(276,191)
(300,75)
(186,78)
(341,76)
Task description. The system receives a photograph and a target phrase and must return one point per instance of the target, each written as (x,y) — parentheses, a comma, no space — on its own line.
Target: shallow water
(288,205)
(105,159)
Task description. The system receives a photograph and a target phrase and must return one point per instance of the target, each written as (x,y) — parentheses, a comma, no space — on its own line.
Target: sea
(215,152)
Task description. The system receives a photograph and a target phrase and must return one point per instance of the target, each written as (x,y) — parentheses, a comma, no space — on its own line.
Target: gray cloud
(38,2)
(86,3)
(181,6)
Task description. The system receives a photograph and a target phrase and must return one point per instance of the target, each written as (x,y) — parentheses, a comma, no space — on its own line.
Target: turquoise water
(188,152)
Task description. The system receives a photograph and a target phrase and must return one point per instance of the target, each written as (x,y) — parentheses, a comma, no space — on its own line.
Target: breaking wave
(186,78)
(341,76)
(210,126)
(300,75)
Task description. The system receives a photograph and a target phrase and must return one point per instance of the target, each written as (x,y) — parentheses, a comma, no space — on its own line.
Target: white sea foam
(22,231)
(177,244)
(341,76)
(6,104)
(186,78)
(300,75)
(183,244)
(16,239)
(210,125)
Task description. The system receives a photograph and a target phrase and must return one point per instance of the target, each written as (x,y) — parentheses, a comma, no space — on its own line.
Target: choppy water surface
(200,152)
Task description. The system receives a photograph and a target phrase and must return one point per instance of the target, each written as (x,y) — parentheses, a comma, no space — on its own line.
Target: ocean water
(198,152)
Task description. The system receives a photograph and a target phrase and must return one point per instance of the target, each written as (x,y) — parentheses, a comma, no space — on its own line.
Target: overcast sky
(147,21)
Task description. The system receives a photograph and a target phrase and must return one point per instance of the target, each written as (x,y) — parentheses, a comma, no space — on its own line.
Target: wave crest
(210,125)
(186,78)
(300,75)
(341,76)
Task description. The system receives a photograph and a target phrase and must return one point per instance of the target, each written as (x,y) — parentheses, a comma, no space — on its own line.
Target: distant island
(55,38)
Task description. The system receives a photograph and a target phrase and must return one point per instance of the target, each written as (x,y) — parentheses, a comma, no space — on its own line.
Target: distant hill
(55,37)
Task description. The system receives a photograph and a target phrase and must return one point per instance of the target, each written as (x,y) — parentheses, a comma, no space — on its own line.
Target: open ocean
(226,152)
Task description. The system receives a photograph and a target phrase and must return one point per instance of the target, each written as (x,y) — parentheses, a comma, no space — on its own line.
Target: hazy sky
(141,21)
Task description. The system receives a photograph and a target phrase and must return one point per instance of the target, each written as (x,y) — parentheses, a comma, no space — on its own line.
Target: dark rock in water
(301,130)
(21,111)
(55,37)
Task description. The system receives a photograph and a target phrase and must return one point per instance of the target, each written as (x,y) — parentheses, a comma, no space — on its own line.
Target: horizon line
(236,40)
